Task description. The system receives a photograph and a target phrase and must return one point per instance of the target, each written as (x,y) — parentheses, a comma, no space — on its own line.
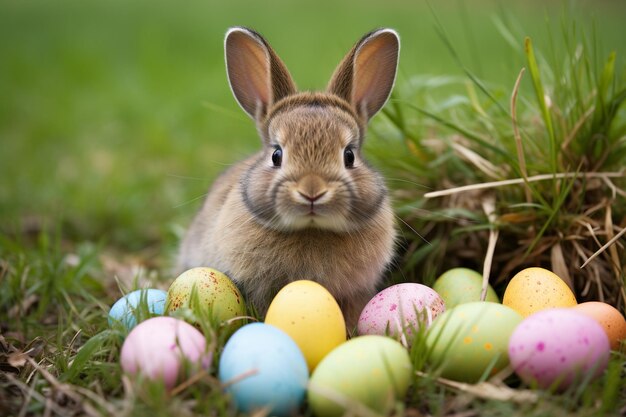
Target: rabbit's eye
(348,157)
(277,156)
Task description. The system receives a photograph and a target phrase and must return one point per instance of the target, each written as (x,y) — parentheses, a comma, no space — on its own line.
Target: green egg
(366,375)
(216,294)
(470,341)
(462,285)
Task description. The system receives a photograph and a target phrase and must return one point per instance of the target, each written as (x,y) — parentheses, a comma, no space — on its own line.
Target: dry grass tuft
(541,183)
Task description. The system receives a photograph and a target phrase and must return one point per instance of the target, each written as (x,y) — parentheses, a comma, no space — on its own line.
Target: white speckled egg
(215,292)
(556,347)
(399,310)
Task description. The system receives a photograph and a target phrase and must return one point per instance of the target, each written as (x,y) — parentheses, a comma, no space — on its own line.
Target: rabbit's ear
(257,77)
(366,75)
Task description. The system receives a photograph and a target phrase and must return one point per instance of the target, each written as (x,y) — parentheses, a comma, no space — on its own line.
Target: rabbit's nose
(312,188)
(313,198)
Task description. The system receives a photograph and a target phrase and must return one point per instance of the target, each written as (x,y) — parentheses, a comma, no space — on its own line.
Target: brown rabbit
(307,206)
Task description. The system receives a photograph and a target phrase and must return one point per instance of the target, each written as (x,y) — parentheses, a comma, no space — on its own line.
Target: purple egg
(399,310)
(156,348)
(556,347)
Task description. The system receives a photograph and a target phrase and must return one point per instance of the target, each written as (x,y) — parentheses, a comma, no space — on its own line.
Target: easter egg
(367,371)
(536,289)
(555,347)
(399,310)
(262,367)
(216,295)
(156,348)
(309,314)
(462,285)
(126,309)
(470,341)
(611,320)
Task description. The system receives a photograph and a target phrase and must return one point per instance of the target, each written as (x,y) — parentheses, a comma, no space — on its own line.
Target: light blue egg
(262,366)
(124,309)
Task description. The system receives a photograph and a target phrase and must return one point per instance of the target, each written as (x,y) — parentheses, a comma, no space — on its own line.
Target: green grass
(116,116)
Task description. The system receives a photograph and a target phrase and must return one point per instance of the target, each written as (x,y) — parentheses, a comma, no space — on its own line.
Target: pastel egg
(536,289)
(156,348)
(399,310)
(462,285)
(216,294)
(262,367)
(371,372)
(470,342)
(556,347)
(309,314)
(611,320)
(139,303)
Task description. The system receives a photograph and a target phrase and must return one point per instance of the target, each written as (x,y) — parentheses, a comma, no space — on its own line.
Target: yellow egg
(536,289)
(308,313)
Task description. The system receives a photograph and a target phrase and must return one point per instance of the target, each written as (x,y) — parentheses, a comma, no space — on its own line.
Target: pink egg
(399,310)
(156,348)
(555,347)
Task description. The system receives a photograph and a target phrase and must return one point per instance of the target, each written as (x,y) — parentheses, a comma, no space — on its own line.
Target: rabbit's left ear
(257,76)
(366,75)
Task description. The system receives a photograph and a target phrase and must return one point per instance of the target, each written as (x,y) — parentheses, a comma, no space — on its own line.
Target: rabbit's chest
(335,261)
(298,256)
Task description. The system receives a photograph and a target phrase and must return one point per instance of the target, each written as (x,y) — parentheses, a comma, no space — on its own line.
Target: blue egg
(263,367)
(124,309)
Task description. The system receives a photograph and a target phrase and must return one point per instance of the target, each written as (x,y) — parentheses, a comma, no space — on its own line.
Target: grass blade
(533,69)
(600,115)
(466,133)
(86,352)
(446,40)
(553,215)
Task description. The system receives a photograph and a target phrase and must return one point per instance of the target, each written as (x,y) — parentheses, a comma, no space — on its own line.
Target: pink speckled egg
(399,310)
(556,347)
(156,348)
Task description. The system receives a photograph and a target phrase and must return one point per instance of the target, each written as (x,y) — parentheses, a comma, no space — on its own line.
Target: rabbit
(307,205)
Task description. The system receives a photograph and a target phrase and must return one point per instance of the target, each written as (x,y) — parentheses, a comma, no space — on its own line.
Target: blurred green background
(115,116)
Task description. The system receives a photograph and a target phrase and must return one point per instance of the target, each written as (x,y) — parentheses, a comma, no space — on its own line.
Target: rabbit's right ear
(257,77)
(366,75)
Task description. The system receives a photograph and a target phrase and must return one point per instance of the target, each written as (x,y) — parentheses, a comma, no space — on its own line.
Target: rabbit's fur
(307,206)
